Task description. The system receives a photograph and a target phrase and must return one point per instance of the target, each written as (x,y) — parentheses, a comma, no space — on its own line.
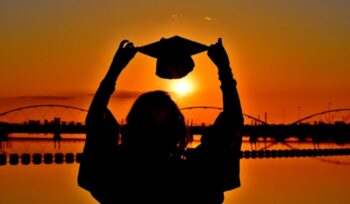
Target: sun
(182,86)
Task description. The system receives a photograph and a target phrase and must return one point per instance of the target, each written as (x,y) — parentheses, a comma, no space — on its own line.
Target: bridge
(321,113)
(56,119)
(339,131)
(317,130)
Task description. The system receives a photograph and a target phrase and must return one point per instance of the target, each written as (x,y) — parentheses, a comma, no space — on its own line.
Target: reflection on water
(27,145)
(321,179)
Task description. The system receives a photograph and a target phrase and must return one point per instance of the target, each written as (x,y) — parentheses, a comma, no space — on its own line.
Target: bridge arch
(41,105)
(85,110)
(219,108)
(320,113)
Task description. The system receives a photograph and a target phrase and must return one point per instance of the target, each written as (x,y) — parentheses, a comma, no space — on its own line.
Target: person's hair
(155,120)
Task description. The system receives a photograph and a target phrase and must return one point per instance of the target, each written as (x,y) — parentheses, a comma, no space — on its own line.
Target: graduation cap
(173,56)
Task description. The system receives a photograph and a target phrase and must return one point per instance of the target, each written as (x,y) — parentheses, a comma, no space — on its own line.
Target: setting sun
(182,86)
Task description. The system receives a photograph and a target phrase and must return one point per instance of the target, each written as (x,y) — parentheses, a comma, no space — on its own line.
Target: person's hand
(218,55)
(124,54)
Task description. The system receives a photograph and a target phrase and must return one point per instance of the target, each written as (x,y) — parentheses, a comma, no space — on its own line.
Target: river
(297,179)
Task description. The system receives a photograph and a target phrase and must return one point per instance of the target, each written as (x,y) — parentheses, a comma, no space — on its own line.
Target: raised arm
(226,131)
(98,107)
(102,128)
(231,102)
(221,145)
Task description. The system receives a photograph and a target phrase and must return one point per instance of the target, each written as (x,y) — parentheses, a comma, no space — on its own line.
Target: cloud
(121,94)
(208,18)
(174,15)
(43,97)
(125,94)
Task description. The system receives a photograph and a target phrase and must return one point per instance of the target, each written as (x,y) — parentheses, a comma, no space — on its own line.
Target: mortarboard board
(173,56)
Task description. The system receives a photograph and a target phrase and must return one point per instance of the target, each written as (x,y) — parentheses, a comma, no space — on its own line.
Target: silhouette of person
(147,161)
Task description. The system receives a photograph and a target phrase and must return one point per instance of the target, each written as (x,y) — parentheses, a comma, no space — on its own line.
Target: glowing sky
(284,54)
(287,56)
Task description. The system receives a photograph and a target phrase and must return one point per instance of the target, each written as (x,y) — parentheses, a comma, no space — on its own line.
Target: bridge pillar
(57,129)
(3,131)
(3,136)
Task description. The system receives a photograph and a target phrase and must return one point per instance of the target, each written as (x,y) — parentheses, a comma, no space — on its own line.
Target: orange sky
(284,54)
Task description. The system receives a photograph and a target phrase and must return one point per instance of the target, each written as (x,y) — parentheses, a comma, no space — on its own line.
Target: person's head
(155,123)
